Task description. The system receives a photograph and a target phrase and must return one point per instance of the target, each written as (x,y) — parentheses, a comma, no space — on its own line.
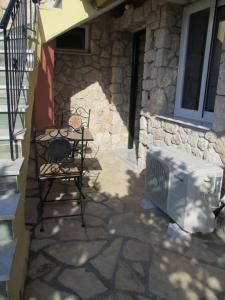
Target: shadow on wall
(184,269)
(43,113)
(100,81)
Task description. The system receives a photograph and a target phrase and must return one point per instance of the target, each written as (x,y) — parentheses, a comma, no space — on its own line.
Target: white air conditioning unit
(186,188)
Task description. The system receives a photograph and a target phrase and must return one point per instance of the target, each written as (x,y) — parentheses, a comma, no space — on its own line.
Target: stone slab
(135,250)
(40,290)
(75,253)
(173,276)
(127,279)
(84,283)
(148,227)
(106,261)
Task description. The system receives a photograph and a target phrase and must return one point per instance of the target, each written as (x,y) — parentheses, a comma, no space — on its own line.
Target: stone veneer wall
(120,87)
(163,28)
(100,81)
(110,62)
(84,80)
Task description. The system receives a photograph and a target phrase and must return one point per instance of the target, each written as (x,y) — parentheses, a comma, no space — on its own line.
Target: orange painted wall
(43,113)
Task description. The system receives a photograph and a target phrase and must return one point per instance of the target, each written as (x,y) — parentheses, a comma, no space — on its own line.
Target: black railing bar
(30,14)
(10,82)
(20,62)
(12,30)
(23,46)
(5,19)
(19,51)
(11,43)
(35,10)
(22,41)
(18,38)
(21,55)
(13,75)
(25,55)
(13,99)
(17,79)
(8,98)
(16,62)
(25,15)
(11,70)
(10,74)
(15,41)
(14,10)
(23,87)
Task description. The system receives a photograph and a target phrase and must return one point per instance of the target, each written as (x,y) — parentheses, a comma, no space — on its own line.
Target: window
(203,31)
(74,40)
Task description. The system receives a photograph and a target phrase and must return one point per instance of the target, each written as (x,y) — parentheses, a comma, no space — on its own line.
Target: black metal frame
(59,165)
(15,30)
(84,114)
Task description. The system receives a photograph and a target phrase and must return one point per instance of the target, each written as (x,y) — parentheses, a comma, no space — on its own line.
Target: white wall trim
(179,111)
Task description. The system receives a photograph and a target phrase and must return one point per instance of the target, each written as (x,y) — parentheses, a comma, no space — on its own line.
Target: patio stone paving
(123,253)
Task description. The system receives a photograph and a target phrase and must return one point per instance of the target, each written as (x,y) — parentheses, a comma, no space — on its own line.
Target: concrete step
(8,207)
(9,170)
(21,109)
(29,53)
(7,254)
(3,94)
(18,38)
(3,98)
(3,77)
(18,135)
(4,121)
(5,143)
(19,119)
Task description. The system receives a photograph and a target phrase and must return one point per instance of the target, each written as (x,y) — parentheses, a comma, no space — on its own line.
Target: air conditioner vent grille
(157,179)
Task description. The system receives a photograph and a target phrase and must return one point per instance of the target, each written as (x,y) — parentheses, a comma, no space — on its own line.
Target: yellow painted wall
(55,21)
(18,272)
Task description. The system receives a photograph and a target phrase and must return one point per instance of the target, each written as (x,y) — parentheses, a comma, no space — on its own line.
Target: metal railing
(15,24)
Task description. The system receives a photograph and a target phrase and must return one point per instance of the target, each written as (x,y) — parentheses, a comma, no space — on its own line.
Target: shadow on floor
(123,253)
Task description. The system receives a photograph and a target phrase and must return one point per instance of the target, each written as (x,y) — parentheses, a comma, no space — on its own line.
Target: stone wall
(200,142)
(101,81)
(120,87)
(163,28)
(163,25)
(159,88)
(84,80)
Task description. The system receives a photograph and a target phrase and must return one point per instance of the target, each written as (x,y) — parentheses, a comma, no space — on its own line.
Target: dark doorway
(136,88)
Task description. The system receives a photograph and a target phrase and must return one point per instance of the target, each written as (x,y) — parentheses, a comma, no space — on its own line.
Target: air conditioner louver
(157,179)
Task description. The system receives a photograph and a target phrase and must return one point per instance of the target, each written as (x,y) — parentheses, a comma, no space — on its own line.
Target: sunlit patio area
(112,150)
(124,252)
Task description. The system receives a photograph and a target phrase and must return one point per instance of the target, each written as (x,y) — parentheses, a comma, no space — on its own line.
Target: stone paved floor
(123,253)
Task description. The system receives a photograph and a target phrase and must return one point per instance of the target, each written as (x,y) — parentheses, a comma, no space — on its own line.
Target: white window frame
(197,115)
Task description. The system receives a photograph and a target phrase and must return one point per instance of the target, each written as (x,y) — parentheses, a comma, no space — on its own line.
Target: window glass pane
(195,57)
(73,39)
(215,63)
